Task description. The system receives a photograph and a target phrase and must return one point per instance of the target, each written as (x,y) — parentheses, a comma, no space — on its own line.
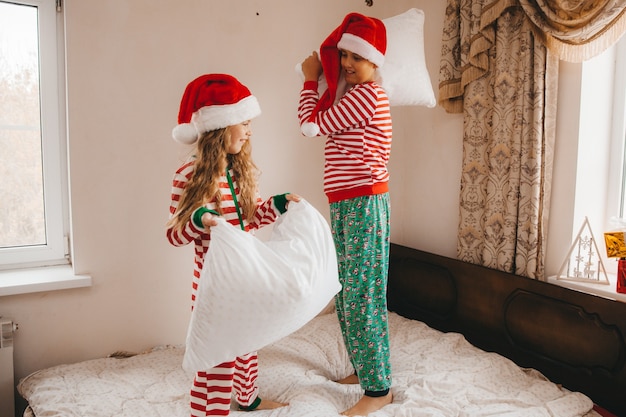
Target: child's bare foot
(368,405)
(350,379)
(270,405)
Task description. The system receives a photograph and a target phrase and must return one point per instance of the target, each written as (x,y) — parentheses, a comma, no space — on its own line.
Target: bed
(465,341)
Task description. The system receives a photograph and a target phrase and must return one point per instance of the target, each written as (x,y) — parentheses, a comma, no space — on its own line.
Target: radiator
(7,386)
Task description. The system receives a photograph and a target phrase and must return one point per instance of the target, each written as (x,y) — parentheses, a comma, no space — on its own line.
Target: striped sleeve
(355,109)
(266,213)
(189,233)
(308,99)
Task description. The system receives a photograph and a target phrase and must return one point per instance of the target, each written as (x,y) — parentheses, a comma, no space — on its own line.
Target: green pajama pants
(360,228)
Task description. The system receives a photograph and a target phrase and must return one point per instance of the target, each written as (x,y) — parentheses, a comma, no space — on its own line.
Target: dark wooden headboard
(573,338)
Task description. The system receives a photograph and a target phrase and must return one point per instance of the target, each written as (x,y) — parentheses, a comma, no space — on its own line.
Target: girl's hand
(208,220)
(292,197)
(312,67)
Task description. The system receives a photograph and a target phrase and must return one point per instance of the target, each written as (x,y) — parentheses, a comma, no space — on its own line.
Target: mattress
(434,374)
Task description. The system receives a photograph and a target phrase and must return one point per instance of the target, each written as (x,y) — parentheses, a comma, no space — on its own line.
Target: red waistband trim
(378,188)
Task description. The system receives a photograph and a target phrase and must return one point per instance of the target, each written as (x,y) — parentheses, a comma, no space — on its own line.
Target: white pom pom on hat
(185,133)
(210,102)
(310,129)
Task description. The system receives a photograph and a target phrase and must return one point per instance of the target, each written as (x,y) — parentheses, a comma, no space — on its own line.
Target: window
(33,191)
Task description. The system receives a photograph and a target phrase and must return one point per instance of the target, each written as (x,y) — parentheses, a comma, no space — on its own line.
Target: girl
(358,126)
(220,178)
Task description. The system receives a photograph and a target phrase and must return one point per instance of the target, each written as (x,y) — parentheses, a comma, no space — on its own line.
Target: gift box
(615,244)
(616,248)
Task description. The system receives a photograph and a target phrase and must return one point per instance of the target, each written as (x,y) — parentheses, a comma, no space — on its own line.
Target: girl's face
(357,69)
(239,134)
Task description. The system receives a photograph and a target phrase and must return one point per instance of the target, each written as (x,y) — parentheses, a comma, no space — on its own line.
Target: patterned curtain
(577,30)
(499,67)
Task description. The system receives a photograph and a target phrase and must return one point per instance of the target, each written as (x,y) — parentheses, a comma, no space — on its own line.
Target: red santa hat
(359,34)
(210,102)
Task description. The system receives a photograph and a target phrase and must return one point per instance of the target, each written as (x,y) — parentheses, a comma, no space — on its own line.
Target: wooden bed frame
(573,338)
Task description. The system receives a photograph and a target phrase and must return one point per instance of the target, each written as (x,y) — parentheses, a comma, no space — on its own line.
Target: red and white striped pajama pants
(211,391)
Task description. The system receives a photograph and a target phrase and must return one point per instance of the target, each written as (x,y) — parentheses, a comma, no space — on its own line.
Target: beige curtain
(577,30)
(499,66)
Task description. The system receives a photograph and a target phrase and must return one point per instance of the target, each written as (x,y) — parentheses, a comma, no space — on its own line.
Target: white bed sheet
(434,374)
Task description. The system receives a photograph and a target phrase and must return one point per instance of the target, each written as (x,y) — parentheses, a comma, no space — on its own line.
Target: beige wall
(127,65)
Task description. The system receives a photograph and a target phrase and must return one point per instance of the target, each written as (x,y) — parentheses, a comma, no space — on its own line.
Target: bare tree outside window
(21,188)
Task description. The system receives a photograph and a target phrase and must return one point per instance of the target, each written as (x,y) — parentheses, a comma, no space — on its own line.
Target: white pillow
(404,76)
(253,293)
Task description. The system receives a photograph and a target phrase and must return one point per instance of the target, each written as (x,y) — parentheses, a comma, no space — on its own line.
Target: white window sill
(601,290)
(49,278)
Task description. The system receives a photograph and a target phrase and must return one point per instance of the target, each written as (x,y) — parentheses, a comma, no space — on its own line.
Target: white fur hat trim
(361,47)
(215,117)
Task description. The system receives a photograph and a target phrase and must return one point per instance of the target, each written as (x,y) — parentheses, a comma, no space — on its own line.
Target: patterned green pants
(360,228)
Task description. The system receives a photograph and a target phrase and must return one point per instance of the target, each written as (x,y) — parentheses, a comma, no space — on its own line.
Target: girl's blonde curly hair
(212,161)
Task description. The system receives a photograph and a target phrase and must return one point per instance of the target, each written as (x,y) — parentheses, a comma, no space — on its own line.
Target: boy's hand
(312,67)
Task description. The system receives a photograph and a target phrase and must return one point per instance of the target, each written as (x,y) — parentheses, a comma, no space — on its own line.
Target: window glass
(21,191)
(32,190)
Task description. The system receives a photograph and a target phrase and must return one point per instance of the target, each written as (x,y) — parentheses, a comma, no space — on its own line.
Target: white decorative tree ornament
(583,262)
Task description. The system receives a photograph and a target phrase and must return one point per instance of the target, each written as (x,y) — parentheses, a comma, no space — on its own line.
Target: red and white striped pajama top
(359,139)
(266,214)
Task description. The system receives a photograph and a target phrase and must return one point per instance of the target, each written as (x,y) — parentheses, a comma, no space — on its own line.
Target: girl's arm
(189,233)
(190,230)
(268,211)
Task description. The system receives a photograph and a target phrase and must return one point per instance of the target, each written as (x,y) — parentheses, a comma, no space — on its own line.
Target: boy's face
(239,134)
(357,69)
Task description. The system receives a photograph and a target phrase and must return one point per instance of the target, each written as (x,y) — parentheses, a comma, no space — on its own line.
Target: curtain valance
(577,30)
(573,30)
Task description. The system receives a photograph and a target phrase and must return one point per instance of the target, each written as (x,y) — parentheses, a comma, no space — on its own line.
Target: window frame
(54,145)
(617,162)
